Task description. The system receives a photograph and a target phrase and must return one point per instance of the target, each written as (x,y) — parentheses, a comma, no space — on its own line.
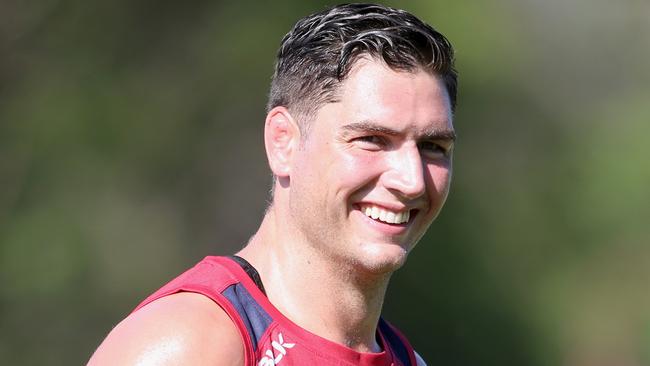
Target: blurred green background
(131,147)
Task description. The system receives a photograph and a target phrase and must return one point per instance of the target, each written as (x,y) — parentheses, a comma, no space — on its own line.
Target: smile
(387,216)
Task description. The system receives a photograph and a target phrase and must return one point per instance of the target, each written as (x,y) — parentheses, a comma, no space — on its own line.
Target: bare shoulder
(184,328)
(419,360)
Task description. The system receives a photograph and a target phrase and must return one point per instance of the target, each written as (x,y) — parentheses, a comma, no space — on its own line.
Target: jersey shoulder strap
(220,279)
(208,277)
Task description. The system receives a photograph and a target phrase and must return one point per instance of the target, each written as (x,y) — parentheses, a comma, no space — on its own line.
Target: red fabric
(283,343)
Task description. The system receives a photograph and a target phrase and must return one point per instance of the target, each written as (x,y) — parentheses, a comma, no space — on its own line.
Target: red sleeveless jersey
(270,338)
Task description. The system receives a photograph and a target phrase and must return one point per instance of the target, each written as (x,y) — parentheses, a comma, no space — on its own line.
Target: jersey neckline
(326,346)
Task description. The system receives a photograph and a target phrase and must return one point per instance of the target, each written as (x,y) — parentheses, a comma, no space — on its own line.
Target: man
(359,138)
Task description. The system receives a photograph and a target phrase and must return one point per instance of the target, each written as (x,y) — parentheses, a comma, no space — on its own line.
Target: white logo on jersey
(281,347)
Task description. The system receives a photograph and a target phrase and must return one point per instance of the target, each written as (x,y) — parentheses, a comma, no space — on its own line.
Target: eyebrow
(367,126)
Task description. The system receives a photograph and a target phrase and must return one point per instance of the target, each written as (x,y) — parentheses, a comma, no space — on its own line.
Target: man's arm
(180,329)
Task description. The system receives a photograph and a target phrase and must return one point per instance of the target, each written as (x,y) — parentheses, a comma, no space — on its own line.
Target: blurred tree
(130,147)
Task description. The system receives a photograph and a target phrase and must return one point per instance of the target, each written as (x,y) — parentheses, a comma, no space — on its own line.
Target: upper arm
(184,328)
(419,359)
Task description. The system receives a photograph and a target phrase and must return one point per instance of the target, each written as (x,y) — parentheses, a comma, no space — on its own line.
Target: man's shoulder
(184,328)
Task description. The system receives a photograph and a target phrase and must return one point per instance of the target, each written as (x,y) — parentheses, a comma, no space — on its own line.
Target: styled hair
(316,56)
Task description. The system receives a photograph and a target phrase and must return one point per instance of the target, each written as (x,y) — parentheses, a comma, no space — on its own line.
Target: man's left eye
(433,148)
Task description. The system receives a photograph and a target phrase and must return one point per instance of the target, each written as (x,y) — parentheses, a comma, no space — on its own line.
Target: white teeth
(375,213)
(384,215)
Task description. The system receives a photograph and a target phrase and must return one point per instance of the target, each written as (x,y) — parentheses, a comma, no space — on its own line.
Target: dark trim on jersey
(250,271)
(396,342)
(254,317)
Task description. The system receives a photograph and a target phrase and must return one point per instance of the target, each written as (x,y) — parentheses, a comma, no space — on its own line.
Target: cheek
(438,180)
(355,173)
(361,165)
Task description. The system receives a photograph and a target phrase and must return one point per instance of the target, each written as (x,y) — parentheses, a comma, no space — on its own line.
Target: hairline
(305,119)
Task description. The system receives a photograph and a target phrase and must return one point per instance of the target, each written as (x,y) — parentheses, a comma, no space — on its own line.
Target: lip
(387,206)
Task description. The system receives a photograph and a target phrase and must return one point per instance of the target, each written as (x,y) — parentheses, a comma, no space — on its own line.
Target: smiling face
(374,170)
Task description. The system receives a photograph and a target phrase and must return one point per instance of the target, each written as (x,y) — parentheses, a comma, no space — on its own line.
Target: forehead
(404,100)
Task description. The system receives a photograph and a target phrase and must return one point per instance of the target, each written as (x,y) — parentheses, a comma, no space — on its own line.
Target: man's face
(375,168)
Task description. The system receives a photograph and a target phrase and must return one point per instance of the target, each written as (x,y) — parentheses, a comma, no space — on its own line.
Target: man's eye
(433,149)
(370,142)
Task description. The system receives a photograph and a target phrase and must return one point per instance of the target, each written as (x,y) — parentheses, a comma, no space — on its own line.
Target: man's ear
(281,139)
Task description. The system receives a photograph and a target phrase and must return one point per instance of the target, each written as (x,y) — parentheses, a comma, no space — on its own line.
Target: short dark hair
(318,53)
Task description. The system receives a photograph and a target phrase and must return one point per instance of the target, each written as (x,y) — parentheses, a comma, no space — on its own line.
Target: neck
(334,300)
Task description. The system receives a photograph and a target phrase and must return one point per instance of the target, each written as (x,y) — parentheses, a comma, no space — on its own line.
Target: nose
(406,172)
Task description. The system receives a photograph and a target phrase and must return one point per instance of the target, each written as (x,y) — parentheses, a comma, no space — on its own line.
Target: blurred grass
(131,146)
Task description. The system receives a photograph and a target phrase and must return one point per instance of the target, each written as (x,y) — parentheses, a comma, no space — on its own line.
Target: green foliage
(130,147)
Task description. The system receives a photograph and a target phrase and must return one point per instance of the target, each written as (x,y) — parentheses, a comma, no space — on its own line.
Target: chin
(383,258)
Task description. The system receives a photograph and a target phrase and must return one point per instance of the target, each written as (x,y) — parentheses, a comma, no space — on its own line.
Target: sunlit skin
(386,141)
(181,329)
